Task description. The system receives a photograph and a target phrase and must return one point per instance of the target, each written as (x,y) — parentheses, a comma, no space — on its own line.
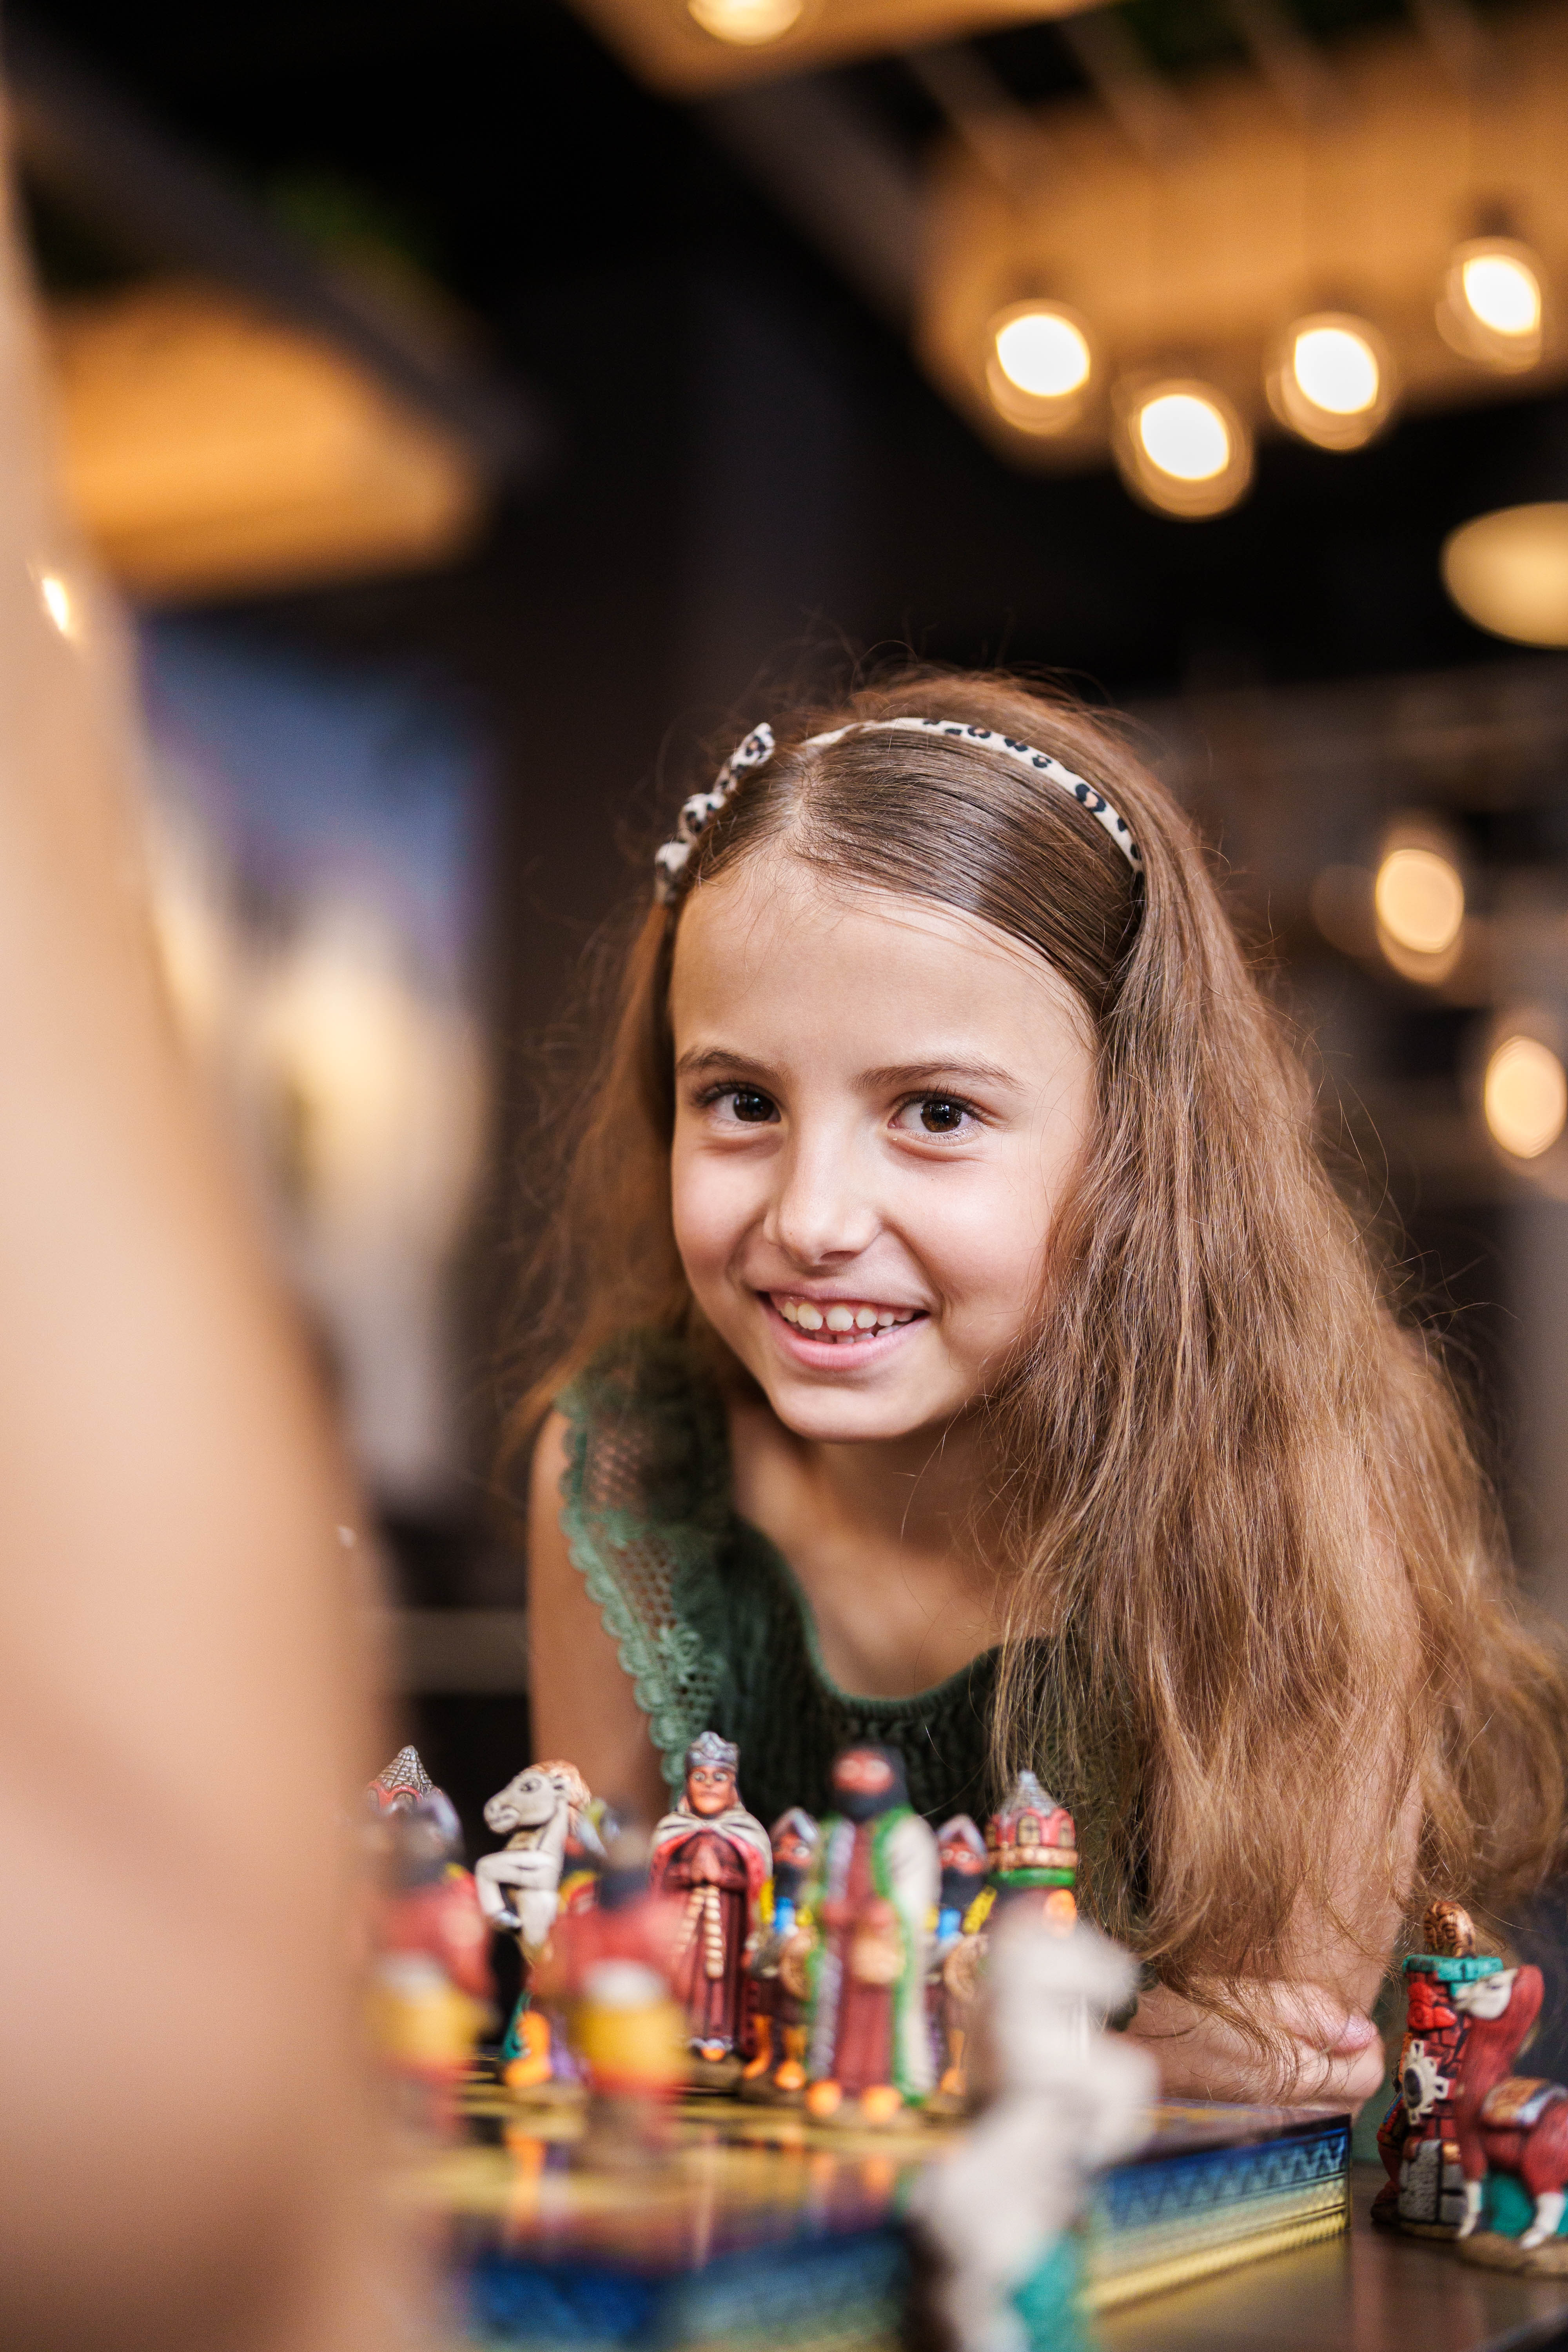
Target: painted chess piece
(1418,2138)
(958,1952)
(997,2257)
(776,2071)
(430,1978)
(610,1969)
(543,1812)
(401,1784)
(867,1947)
(1510,2130)
(716,1857)
(1032,1843)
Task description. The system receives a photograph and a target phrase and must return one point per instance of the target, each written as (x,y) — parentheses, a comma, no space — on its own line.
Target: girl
(962,1348)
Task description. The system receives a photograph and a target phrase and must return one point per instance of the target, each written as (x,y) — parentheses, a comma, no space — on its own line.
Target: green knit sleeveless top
(708,1619)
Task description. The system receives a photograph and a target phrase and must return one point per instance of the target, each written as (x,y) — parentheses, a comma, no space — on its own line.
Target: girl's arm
(584,1708)
(1333,2050)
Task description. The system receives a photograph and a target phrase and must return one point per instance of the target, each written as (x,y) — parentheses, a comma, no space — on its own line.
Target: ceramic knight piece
(715,1856)
(431,1977)
(776,2072)
(1418,2138)
(996,2255)
(866,1952)
(1032,1845)
(543,1812)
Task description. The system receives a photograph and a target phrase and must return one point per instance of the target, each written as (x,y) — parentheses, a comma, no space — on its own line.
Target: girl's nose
(822,1212)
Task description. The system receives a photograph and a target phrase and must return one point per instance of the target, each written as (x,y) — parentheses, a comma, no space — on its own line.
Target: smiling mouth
(841,1322)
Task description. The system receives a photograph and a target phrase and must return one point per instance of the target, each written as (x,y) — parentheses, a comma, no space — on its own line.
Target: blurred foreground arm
(180,1717)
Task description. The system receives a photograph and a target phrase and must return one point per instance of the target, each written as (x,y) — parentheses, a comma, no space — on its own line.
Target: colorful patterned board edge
(762,2233)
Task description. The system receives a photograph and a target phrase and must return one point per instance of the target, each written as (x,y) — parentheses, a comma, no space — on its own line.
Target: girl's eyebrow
(918,1074)
(693,1065)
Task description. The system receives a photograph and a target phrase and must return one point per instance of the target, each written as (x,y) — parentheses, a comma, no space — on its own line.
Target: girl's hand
(1332,2054)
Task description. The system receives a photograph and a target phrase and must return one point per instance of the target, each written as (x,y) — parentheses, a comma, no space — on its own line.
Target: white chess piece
(537,1807)
(1064,2102)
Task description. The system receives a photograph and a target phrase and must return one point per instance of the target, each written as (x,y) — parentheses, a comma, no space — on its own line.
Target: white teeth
(846,1324)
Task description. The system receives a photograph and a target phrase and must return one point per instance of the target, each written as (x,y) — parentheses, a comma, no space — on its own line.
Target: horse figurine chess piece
(540,1809)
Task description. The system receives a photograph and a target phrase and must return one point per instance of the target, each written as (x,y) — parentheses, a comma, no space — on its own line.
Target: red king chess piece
(716,1857)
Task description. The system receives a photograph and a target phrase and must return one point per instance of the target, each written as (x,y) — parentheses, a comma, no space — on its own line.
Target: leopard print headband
(757,748)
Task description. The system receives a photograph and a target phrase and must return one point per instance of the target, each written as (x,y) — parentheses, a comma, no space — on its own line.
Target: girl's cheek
(986,1245)
(709,1202)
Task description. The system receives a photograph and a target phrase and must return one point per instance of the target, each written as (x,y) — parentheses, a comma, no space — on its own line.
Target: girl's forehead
(776,940)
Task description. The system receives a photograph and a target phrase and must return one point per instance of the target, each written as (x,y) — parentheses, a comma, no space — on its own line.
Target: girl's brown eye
(754,1109)
(939,1116)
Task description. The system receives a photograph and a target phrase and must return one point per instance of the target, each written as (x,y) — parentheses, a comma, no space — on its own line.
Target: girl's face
(880,1104)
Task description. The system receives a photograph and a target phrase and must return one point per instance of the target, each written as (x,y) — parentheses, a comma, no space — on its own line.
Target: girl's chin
(842,1419)
(862,1410)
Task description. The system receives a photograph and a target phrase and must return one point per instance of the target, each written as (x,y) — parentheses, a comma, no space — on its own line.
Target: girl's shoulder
(647,1437)
(646,1512)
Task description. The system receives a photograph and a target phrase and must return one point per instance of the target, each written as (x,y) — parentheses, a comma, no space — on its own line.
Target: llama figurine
(1473,2151)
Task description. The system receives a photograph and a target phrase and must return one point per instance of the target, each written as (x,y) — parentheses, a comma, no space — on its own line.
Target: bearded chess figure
(871,1900)
(716,1856)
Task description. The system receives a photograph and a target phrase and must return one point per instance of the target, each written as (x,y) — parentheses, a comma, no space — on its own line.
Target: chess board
(757,2230)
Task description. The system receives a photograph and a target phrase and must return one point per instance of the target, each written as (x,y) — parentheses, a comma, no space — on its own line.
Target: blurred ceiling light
(1420,901)
(1038,365)
(747,23)
(1525,1097)
(209,449)
(1332,381)
(1508,572)
(1182,447)
(1491,307)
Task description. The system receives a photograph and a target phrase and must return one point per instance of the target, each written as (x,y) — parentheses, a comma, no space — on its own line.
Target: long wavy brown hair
(1235,1486)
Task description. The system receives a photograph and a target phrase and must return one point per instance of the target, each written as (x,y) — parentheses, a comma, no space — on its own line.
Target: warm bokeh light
(1181,446)
(1043,353)
(747,23)
(1420,901)
(1508,572)
(1525,1097)
(1504,292)
(1492,306)
(1331,379)
(1337,370)
(1185,436)
(1040,363)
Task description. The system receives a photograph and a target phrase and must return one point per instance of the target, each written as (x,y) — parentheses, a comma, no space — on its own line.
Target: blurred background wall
(481,403)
